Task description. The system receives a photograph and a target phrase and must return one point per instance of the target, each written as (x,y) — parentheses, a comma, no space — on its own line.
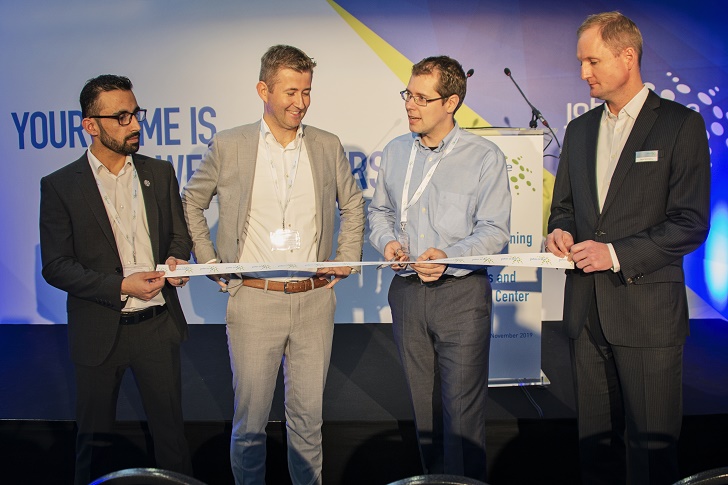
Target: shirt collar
(443,143)
(631,109)
(269,138)
(97,166)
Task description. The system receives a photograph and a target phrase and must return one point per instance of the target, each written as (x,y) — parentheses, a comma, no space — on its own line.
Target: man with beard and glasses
(106,220)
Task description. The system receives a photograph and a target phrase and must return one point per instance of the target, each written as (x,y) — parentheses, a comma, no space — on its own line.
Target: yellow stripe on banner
(400,65)
(548,192)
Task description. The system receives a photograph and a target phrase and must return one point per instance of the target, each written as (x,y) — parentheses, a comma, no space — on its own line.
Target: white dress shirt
(614,130)
(269,209)
(120,192)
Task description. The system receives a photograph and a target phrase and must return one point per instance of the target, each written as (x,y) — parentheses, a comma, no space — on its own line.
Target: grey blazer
(228,170)
(654,213)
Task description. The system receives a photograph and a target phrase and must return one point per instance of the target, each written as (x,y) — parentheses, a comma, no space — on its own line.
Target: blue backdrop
(173,51)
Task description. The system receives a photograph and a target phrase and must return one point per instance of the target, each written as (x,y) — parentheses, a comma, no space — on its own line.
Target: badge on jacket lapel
(646,156)
(147,183)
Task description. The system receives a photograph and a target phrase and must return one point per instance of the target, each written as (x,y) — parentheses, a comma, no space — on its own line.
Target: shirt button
(422,236)
(424,210)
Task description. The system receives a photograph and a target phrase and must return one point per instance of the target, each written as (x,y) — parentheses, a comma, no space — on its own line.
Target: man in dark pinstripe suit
(632,197)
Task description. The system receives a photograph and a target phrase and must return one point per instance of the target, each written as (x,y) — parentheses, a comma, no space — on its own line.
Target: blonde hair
(617,31)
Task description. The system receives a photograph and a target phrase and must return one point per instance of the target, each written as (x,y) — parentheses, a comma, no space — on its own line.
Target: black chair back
(717,476)
(438,480)
(145,476)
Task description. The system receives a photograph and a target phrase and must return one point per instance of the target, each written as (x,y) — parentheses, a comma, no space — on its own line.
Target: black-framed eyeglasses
(419,100)
(124,118)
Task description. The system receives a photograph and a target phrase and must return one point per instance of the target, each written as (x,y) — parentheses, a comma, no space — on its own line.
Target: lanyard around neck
(425,181)
(290,177)
(128,233)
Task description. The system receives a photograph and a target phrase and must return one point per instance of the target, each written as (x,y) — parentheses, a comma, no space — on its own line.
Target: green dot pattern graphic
(523,175)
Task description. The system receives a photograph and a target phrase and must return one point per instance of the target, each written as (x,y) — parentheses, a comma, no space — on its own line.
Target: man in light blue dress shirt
(442,192)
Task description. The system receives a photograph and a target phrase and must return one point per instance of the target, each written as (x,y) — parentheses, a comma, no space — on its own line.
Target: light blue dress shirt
(465,209)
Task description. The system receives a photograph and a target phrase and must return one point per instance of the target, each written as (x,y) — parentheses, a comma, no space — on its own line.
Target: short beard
(123,148)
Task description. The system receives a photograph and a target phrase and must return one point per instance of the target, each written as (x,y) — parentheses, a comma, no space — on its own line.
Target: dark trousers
(151,350)
(629,406)
(442,332)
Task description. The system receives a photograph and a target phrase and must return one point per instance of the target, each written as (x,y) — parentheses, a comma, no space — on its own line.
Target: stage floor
(368,431)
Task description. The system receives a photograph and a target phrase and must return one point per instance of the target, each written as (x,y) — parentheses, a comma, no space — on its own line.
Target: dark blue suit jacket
(654,214)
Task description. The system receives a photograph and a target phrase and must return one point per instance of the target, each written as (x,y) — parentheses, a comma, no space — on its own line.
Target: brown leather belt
(286,286)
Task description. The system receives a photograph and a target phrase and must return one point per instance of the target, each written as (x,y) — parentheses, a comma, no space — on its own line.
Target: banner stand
(515,345)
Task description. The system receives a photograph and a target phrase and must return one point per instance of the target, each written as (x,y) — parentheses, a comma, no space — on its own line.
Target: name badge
(403,239)
(646,156)
(285,240)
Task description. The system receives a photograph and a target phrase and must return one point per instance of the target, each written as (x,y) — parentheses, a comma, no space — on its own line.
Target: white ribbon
(527,260)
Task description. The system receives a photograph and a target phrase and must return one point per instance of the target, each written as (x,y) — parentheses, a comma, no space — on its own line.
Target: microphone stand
(535,113)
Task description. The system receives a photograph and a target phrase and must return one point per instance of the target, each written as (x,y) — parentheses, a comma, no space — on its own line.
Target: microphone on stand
(535,113)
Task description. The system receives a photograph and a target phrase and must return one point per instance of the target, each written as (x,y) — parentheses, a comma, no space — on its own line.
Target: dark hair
(451,80)
(617,31)
(94,87)
(283,57)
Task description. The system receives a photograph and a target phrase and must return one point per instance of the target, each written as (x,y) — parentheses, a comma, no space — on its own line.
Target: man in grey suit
(278,183)
(106,220)
(631,198)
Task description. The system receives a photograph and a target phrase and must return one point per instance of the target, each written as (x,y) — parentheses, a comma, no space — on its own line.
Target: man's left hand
(427,271)
(591,256)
